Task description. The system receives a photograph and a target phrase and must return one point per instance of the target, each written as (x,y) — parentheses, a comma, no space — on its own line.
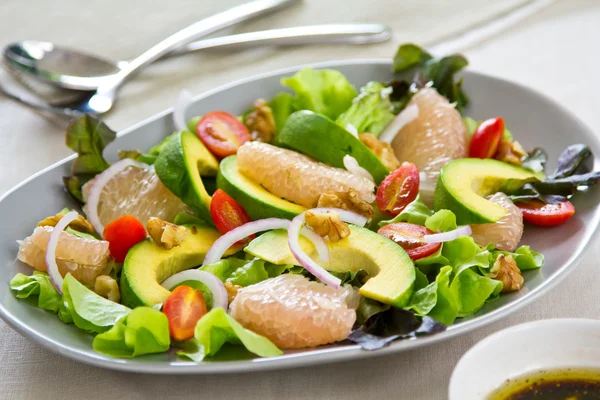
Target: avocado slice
(322,139)
(147,265)
(391,269)
(257,201)
(179,167)
(464,183)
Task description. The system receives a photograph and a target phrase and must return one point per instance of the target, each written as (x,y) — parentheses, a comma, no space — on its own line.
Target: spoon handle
(201,28)
(358,33)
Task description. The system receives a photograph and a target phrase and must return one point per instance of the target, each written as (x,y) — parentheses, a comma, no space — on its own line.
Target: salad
(325,214)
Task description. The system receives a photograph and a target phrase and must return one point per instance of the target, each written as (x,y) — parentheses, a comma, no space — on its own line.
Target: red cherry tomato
(409,237)
(183,308)
(227,213)
(222,133)
(486,138)
(122,234)
(539,213)
(398,189)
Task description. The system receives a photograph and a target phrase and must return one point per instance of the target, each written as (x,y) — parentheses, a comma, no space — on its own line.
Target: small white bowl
(522,349)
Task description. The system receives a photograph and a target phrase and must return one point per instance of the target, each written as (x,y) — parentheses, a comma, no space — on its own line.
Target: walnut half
(232,290)
(165,234)
(350,201)
(511,152)
(327,224)
(79,224)
(108,288)
(381,149)
(260,122)
(505,270)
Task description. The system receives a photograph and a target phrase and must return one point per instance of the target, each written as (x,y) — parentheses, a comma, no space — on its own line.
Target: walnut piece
(232,290)
(511,152)
(505,270)
(108,288)
(381,149)
(79,224)
(350,201)
(327,224)
(165,234)
(260,122)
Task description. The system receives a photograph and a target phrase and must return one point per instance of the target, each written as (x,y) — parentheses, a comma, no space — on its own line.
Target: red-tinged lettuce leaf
(87,136)
(394,324)
(572,161)
(438,72)
(535,160)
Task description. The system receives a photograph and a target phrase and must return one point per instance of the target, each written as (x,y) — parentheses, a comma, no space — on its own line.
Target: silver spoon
(103,98)
(72,69)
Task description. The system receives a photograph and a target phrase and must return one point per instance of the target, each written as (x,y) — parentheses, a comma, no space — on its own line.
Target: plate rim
(317,356)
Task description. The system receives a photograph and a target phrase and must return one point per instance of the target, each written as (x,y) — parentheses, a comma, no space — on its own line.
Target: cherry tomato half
(227,213)
(122,234)
(539,213)
(409,237)
(222,133)
(183,308)
(486,138)
(398,189)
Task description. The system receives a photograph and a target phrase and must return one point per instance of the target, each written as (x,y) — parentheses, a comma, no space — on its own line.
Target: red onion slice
(50,258)
(303,258)
(406,116)
(352,129)
(448,236)
(214,284)
(220,246)
(91,207)
(184,99)
(352,166)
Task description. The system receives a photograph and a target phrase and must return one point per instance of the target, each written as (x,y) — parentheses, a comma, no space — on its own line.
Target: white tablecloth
(553,52)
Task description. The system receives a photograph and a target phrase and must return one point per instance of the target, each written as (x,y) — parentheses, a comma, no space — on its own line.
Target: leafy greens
(370,110)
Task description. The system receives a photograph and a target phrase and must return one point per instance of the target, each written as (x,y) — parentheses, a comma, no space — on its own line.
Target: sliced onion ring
(406,116)
(448,236)
(303,258)
(220,246)
(184,99)
(353,167)
(91,207)
(50,258)
(214,284)
(352,129)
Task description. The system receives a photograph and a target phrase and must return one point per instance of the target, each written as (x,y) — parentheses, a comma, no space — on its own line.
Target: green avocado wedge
(464,183)
(147,265)
(180,166)
(257,201)
(322,139)
(391,269)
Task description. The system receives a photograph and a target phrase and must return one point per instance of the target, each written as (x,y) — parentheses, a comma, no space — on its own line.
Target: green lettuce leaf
(148,157)
(353,278)
(142,331)
(472,290)
(434,259)
(436,299)
(368,308)
(217,328)
(282,107)
(246,272)
(37,286)
(441,221)
(324,91)
(525,257)
(90,312)
(415,212)
(87,136)
(463,253)
(370,110)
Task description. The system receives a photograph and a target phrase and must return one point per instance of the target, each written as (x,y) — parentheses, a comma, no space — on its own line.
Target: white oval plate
(534,119)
